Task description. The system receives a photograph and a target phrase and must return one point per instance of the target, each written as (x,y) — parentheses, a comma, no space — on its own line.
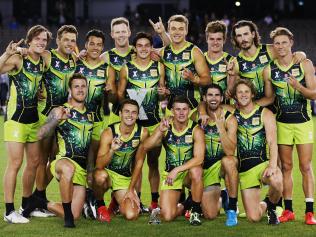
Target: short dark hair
(246,82)
(128,101)
(76,76)
(35,31)
(181,99)
(216,27)
(96,33)
(253,28)
(211,86)
(142,35)
(67,29)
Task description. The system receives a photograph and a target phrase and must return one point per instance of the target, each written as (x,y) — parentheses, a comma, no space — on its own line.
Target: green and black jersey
(74,135)
(142,85)
(175,61)
(123,158)
(179,145)
(252,147)
(117,60)
(214,149)
(24,85)
(218,69)
(252,67)
(292,106)
(96,76)
(56,80)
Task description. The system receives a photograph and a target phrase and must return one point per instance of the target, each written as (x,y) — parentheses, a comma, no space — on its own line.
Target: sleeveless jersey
(142,84)
(251,68)
(123,159)
(178,146)
(214,150)
(117,60)
(175,61)
(252,148)
(96,78)
(292,106)
(24,85)
(74,135)
(218,69)
(56,80)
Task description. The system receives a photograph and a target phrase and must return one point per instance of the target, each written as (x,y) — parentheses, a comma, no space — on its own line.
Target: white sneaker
(39,212)
(15,218)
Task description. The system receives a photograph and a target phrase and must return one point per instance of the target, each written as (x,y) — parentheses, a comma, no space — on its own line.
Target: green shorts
(295,133)
(252,178)
(20,132)
(97,130)
(212,175)
(80,176)
(42,118)
(177,183)
(118,181)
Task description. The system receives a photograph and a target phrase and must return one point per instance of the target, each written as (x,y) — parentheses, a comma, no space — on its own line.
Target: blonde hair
(118,21)
(281,31)
(179,18)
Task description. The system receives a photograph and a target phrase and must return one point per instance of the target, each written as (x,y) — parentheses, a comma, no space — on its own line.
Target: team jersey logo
(186,56)
(222,68)
(295,72)
(153,72)
(263,59)
(255,121)
(100,73)
(135,143)
(188,139)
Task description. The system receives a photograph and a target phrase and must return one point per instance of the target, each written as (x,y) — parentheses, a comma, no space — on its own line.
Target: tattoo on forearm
(49,126)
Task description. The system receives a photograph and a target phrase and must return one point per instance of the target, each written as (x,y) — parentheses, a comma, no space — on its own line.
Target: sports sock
(279,204)
(68,217)
(25,202)
(232,204)
(288,204)
(40,193)
(223,196)
(9,207)
(154,197)
(270,205)
(309,202)
(139,194)
(34,202)
(187,203)
(182,196)
(196,207)
(100,203)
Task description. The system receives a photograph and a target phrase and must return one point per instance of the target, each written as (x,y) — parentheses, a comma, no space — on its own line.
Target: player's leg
(128,208)
(305,152)
(78,199)
(195,175)
(286,157)
(153,175)
(253,207)
(210,201)
(168,204)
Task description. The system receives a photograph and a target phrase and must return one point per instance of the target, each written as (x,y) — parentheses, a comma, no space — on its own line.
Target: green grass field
(120,227)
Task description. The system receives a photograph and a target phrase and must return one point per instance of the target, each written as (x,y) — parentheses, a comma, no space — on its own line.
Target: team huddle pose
(91,119)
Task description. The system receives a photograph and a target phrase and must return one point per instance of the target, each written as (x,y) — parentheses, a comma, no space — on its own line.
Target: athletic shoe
(272,217)
(231,218)
(15,218)
(103,214)
(195,219)
(143,209)
(287,216)
(224,196)
(279,210)
(154,218)
(152,206)
(309,218)
(187,214)
(40,212)
(90,205)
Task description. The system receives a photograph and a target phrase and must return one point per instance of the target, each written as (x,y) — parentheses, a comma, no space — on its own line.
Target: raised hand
(14,48)
(187,74)
(164,124)
(158,26)
(295,84)
(220,121)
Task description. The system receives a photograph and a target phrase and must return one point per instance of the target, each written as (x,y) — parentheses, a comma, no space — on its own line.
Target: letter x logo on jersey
(28,65)
(57,64)
(277,74)
(116,59)
(168,55)
(134,73)
(81,70)
(139,96)
(244,66)
(74,114)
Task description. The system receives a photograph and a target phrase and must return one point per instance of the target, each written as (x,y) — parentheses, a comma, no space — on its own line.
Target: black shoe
(272,217)
(195,219)
(143,209)
(69,224)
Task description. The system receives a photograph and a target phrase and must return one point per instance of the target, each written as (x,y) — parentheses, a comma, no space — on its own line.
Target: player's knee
(196,174)
(253,217)
(210,215)
(167,215)
(229,163)
(33,163)
(76,214)
(67,171)
(100,177)
(287,166)
(306,168)
(131,214)
(15,165)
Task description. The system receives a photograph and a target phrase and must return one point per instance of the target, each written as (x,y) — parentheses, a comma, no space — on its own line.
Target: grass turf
(180,227)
